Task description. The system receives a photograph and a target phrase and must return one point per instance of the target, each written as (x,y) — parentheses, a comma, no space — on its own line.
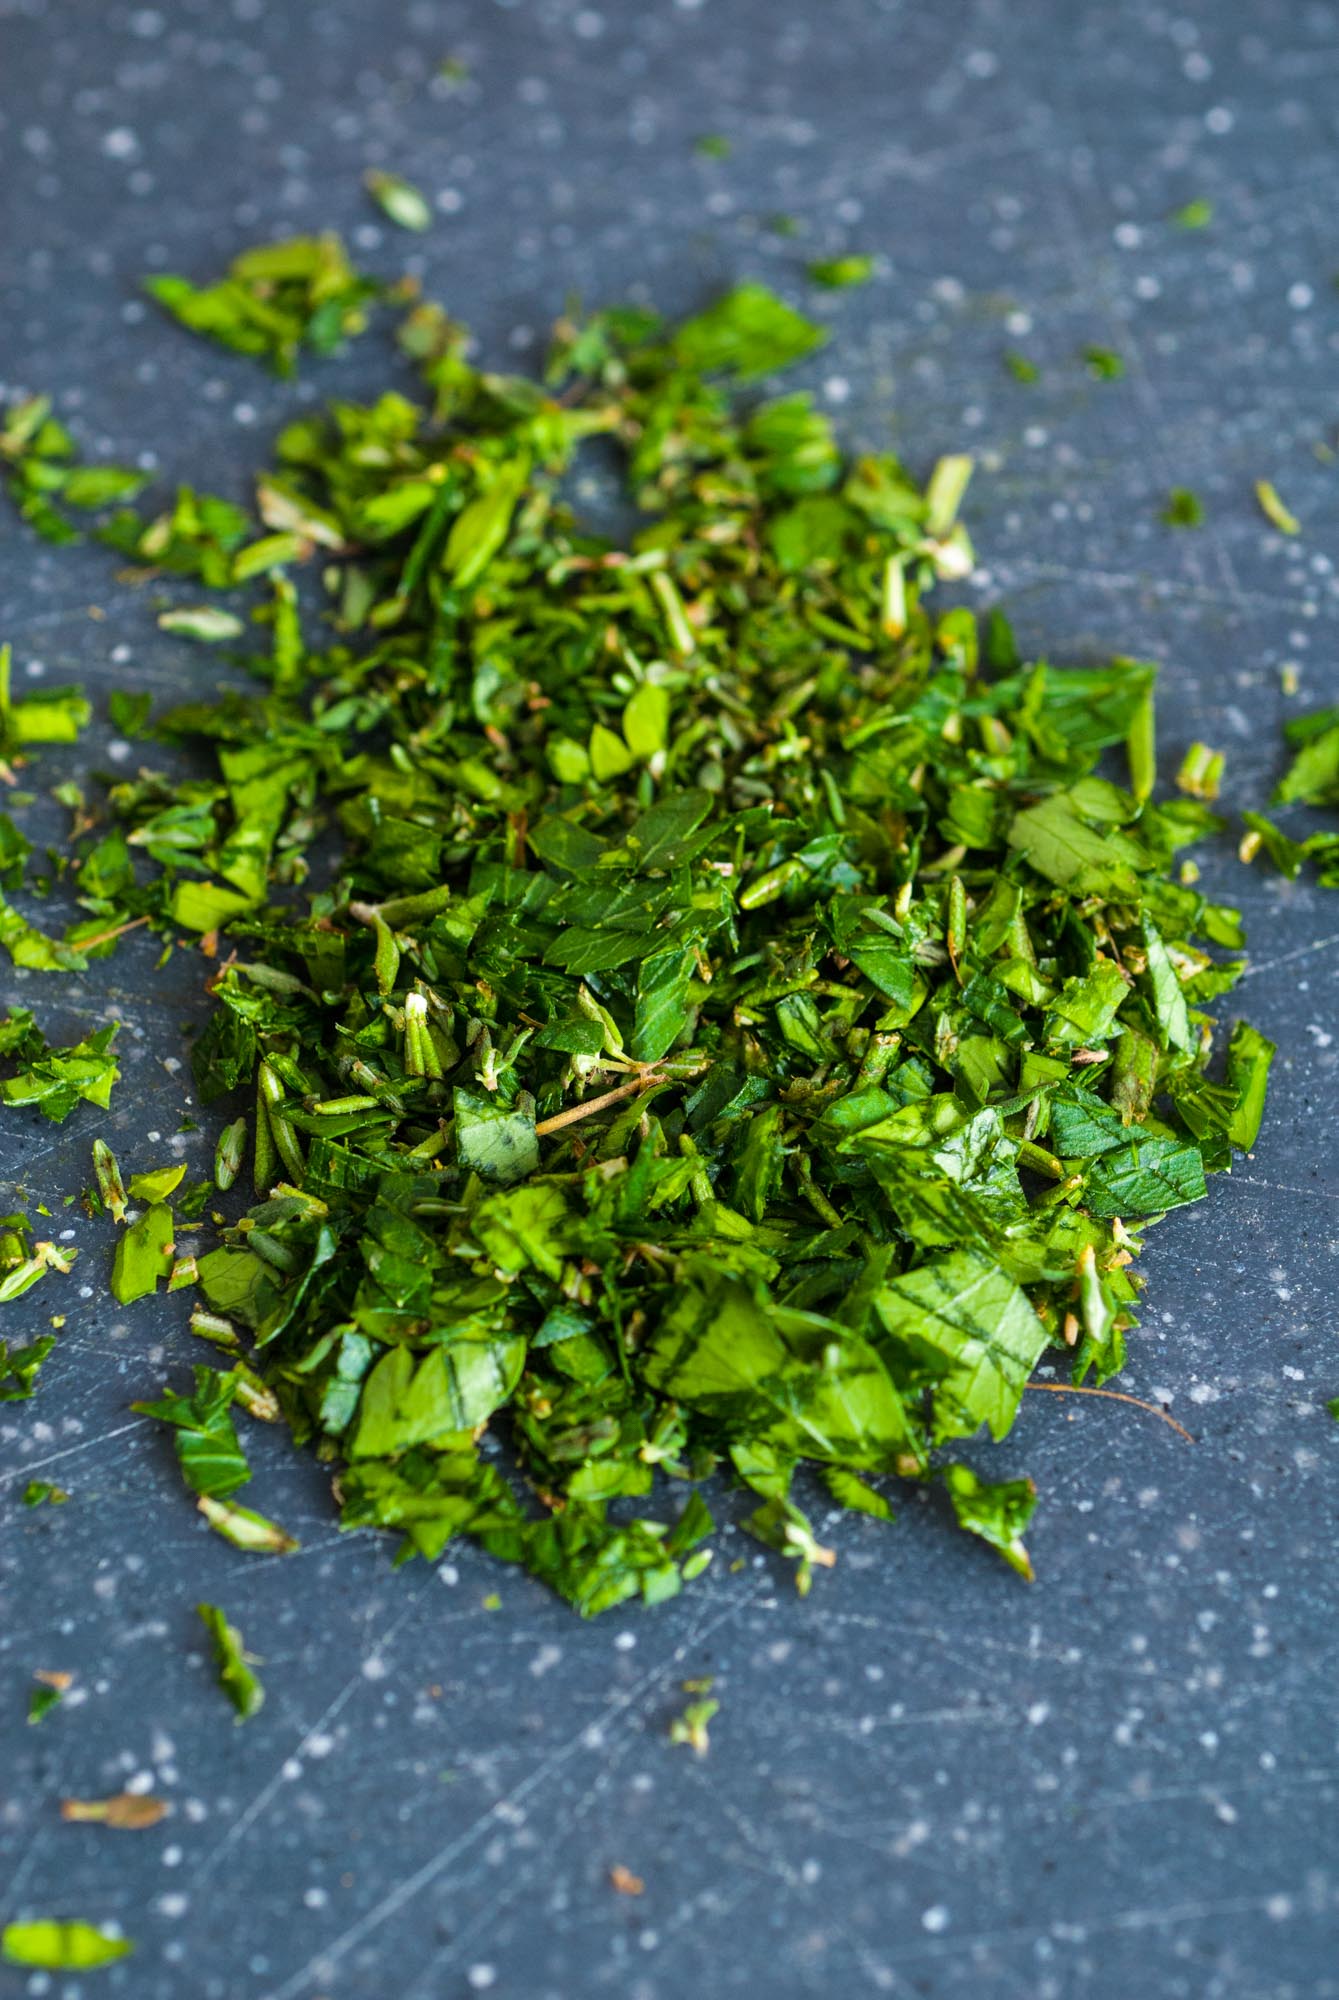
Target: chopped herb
(275,300)
(691,1726)
(53,1081)
(1196,214)
(20,1366)
(399,199)
(1184,509)
(713,146)
(42,1700)
(1021,368)
(1274,510)
(158,1185)
(1201,771)
(245,1529)
(997,1512)
(128,1812)
(143,1255)
(203,622)
(40,1492)
(211,1458)
(234,1664)
(1104,364)
(54,1945)
(1312,779)
(745,1027)
(837,273)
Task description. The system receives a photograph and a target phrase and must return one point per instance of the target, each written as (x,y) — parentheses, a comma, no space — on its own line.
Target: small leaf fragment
(234,1664)
(61,1945)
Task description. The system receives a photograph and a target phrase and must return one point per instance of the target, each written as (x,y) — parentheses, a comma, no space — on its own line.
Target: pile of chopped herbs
(685,1001)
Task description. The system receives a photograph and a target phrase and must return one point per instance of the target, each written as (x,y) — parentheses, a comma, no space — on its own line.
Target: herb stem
(1112,1396)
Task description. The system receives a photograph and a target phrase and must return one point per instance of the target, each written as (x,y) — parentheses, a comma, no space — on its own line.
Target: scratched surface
(927,1780)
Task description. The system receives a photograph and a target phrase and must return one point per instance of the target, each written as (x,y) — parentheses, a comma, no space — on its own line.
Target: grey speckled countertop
(927,1780)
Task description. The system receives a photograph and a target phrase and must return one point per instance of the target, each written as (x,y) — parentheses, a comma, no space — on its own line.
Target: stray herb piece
(398,199)
(211,1458)
(275,300)
(42,1700)
(229,1153)
(1201,772)
(108,1175)
(129,712)
(55,716)
(143,1255)
(1184,509)
(691,1726)
(998,1512)
(159,1184)
(1196,214)
(1020,367)
(204,622)
(20,1366)
(839,273)
(41,1492)
(245,1529)
(1272,507)
(234,1664)
(127,1812)
(55,1945)
(1104,364)
(1312,779)
(37,458)
(713,146)
(53,1081)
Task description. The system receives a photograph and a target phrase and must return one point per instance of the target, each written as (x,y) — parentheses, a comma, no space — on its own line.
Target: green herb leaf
(234,1664)
(399,199)
(838,273)
(57,1945)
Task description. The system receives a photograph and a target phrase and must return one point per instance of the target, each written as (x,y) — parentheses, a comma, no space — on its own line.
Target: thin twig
(1114,1396)
(105,937)
(594,1104)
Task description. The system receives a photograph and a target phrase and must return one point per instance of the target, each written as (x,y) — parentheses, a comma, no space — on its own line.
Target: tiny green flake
(839,273)
(690,1728)
(1272,507)
(1104,364)
(398,199)
(245,1529)
(1184,509)
(41,1492)
(234,1664)
(204,622)
(713,146)
(1196,214)
(61,1945)
(1201,772)
(1020,367)
(41,1701)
